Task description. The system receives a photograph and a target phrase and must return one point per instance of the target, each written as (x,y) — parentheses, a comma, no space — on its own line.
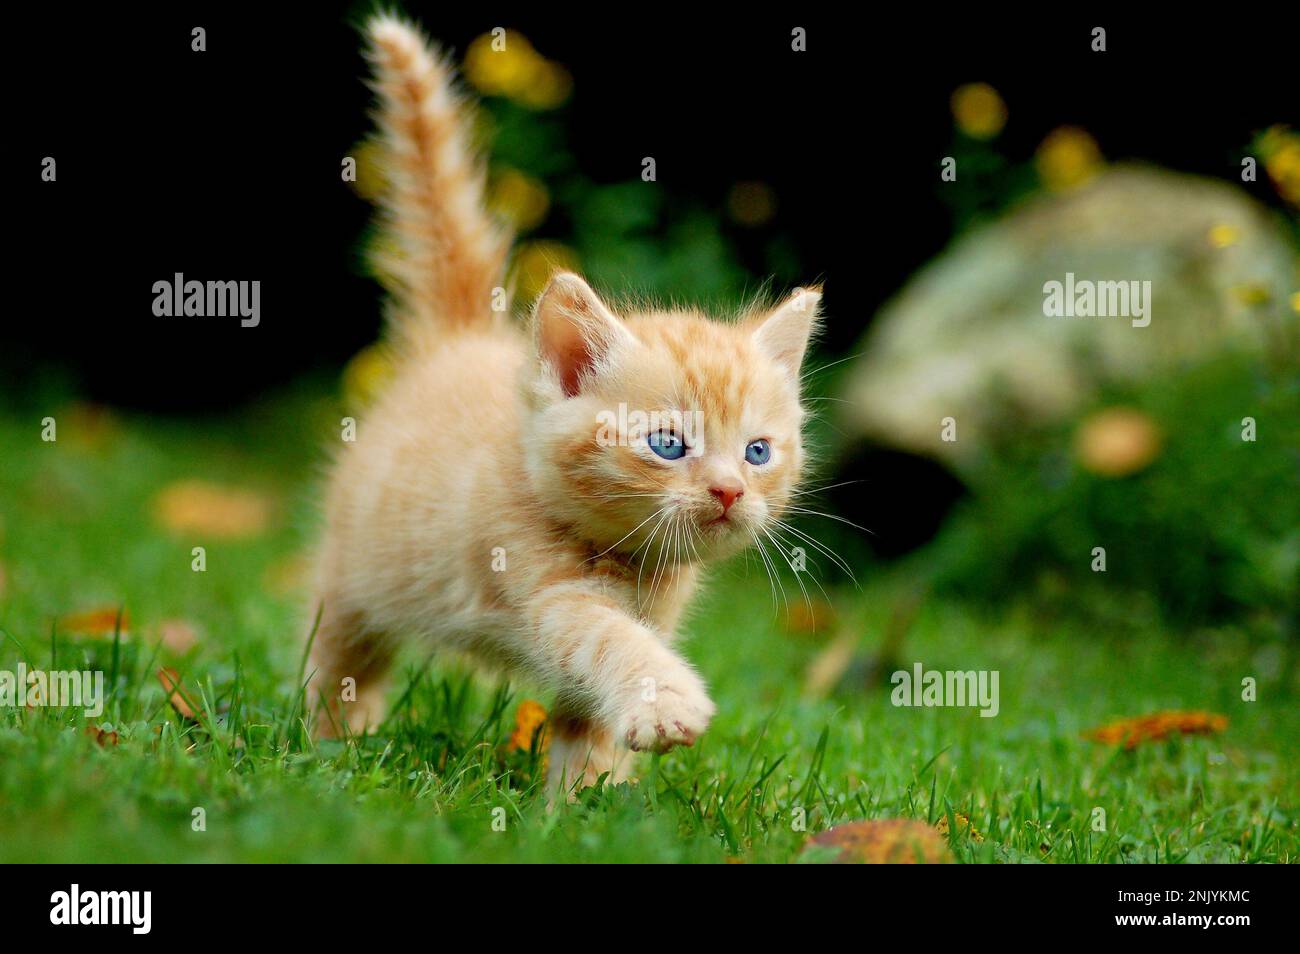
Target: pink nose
(727,495)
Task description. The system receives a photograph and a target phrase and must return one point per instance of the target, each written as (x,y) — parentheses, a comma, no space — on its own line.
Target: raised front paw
(672,709)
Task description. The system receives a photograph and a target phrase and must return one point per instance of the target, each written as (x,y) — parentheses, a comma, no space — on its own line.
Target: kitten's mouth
(720,523)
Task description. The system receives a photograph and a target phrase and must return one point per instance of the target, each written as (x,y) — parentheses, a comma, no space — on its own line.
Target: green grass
(76,531)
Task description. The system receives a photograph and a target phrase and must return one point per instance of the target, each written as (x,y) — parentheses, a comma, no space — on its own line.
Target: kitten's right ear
(574,331)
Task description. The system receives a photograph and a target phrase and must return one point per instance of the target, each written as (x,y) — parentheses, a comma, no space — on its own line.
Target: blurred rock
(968,337)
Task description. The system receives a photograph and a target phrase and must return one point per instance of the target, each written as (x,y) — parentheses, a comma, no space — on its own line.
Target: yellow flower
(1295,302)
(509,66)
(978,110)
(549,87)
(518,198)
(751,203)
(1067,158)
(499,67)
(964,826)
(365,376)
(535,263)
(1284,168)
(1280,148)
(1223,235)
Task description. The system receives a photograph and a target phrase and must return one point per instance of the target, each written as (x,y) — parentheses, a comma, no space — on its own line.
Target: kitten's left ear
(783,336)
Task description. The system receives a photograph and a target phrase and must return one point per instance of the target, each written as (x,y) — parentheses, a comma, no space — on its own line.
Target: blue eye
(666,444)
(758,452)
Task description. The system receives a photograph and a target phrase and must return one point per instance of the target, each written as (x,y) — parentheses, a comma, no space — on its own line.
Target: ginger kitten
(544,498)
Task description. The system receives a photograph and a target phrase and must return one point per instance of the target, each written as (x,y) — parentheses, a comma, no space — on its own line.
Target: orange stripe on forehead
(713,365)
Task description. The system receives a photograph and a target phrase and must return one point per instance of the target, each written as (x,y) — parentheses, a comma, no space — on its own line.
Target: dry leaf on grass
(213,510)
(529,717)
(1156,726)
(102,738)
(171,683)
(885,842)
(100,622)
(1117,442)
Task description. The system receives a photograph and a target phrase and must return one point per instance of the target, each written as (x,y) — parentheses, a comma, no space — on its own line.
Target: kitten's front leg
(618,669)
(581,752)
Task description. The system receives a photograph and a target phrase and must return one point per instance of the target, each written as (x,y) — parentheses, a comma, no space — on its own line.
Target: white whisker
(818,490)
(807,600)
(821,547)
(625,536)
(829,516)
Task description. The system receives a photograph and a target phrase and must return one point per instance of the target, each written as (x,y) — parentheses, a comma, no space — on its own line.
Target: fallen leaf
(177,635)
(529,717)
(1157,726)
(100,622)
(102,738)
(1117,442)
(171,683)
(882,842)
(213,510)
(964,826)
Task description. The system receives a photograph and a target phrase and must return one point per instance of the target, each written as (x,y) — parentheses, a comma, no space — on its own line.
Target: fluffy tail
(440,252)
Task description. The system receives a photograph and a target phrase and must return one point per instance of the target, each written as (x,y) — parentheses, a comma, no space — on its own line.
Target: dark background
(225,164)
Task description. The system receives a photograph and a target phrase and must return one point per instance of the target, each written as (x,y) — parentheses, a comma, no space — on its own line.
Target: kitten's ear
(573,330)
(783,336)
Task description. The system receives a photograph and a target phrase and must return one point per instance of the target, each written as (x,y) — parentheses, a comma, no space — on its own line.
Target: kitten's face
(663,434)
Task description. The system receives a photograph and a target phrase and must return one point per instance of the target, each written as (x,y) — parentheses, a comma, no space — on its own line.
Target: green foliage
(428,786)
(634,237)
(1209,531)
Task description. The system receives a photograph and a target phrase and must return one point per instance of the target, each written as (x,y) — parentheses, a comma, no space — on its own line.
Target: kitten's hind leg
(349,666)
